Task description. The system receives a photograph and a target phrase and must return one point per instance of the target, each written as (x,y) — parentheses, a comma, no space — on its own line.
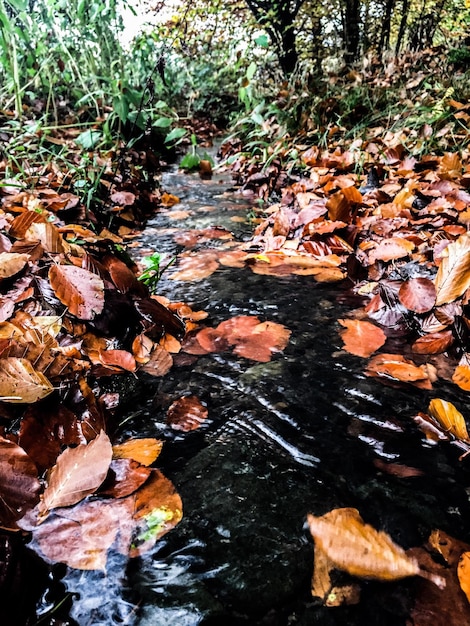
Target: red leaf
(361,338)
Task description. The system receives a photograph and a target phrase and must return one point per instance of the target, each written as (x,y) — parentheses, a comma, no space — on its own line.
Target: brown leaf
(159,364)
(194,268)
(19,484)
(144,451)
(343,203)
(361,338)
(453,275)
(449,417)
(395,367)
(322,585)
(186,414)
(124,478)
(78,473)
(120,359)
(359,549)
(461,375)
(433,343)
(418,294)
(21,383)
(78,289)
(11,263)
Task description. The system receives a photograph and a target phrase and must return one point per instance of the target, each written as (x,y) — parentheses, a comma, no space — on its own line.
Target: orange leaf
(145,451)
(389,249)
(118,358)
(361,338)
(463,572)
(433,343)
(11,263)
(159,364)
(78,289)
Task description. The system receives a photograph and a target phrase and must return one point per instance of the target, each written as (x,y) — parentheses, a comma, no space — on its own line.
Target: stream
(305,432)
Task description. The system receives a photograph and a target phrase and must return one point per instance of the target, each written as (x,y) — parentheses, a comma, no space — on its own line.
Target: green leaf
(262,41)
(190,162)
(175,134)
(163,122)
(88,139)
(250,72)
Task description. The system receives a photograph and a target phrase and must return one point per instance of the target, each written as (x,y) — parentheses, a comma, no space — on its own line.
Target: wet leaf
(78,289)
(19,483)
(463,572)
(145,451)
(449,417)
(124,478)
(395,367)
(21,383)
(78,473)
(453,275)
(418,294)
(159,364)
(11,263)
(359,549)
(322,585)
(120,359)
(187,413)
(461,375)
(195,268)
(433,343)
(361,338)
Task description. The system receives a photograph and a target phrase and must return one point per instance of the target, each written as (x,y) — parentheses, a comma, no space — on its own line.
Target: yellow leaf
(463,572)
(453,275)
(20,383)
(449,417)
(144,451)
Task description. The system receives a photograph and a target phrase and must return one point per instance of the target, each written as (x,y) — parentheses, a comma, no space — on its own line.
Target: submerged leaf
(187,413)
(359,549)
(361,338)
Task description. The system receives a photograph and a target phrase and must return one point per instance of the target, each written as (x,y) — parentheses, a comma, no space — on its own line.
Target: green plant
(154,270)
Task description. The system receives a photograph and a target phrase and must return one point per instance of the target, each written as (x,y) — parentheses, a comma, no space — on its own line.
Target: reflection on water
(306,432)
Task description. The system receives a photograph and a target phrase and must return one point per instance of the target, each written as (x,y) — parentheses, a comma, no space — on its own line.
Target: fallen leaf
(78,289)
(145,451)
(433,343)
(463,572)
(395,367)
(11,263)
(77,473)
(418,294)
(453,275)
(21,383)
(19,483)
(120,359)
(361,338)
(195,268)
(389,249)
(187,413)
(124,478)
(360,550)
(159,363)
(449,417)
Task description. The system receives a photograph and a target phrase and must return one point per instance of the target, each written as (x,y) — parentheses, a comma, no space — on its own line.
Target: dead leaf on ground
(81,291)
(21,383)
(418,294)
(11,263)
(124,478)
(453,275)
(449,417)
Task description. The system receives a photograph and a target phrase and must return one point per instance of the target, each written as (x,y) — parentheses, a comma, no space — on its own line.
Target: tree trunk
(351,31)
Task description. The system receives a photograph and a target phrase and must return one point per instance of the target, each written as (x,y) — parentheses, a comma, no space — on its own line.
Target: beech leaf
(463,572)
(418,294)
(77,473)
(21,383)
(361,338)
(81,291)
(359,549)
(187,413)
(11,263)
(453,275)
(145,451)
(449,417)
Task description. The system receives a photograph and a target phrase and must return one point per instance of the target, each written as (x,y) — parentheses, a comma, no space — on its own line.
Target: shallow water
(306,432)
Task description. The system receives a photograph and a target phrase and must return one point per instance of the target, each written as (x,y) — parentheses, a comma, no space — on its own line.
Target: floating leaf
(449,417)
(21,383)
(145,451)
(453,275)
(78,473)
(78,289)
(361,338)
(124,478)
(395,367)
(19,483)
(187,413)
(359,549)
